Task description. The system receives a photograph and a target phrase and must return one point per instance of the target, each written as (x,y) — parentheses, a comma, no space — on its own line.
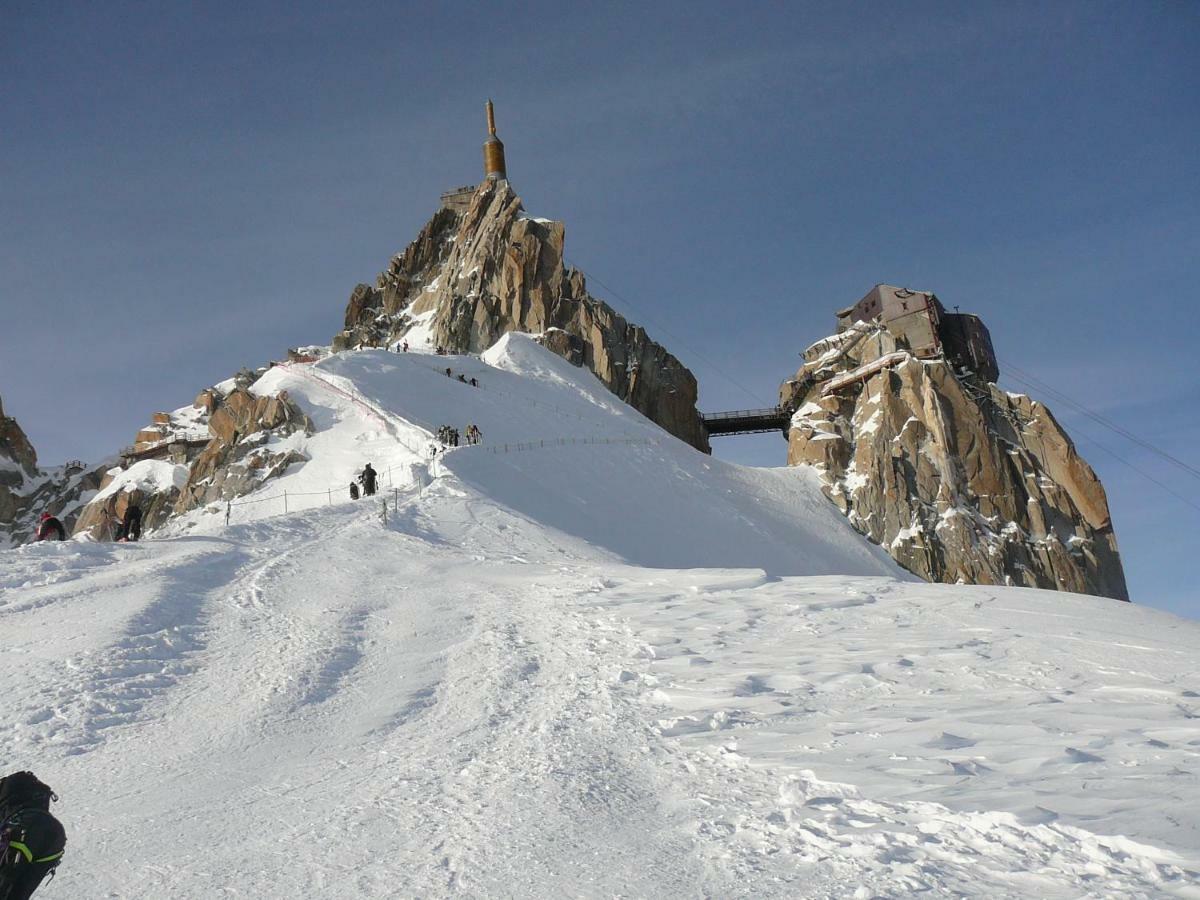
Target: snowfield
(600,664)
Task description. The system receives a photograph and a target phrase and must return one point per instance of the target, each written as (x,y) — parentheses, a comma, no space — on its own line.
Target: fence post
(396,500)
(228,509)
(285,501)
(329,494)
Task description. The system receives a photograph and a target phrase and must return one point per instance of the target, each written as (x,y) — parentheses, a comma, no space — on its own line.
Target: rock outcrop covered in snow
(16,453)
(240,455)
(957,479)
(18,463)
(27,490)
(472,276)
(226,444)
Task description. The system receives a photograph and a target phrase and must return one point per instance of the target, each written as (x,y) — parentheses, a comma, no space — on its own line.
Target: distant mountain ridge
(956,479)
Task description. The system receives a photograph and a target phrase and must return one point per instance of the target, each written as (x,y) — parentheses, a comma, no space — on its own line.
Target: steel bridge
(746,421)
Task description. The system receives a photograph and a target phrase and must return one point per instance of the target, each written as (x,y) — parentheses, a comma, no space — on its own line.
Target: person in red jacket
(51,529)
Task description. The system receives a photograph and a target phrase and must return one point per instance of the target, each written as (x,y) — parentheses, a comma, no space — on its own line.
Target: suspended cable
(1015,372)
(1118,457)
(757,398)
(1096,417)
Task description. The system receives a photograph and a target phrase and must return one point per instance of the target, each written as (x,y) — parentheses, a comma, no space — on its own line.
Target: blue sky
(189,188)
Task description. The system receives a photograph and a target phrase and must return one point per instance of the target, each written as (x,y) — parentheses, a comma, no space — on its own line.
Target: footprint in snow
(1080,756)
(970,768)
(950,741)
(754,684)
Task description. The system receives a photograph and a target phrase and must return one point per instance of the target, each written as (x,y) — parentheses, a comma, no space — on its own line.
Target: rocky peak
(17,456)
(479,270)
(957,479)
(27,490)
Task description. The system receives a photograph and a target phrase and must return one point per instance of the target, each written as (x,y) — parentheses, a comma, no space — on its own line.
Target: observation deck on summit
(494,169)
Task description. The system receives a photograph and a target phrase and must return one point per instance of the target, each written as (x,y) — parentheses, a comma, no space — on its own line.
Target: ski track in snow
(516,689)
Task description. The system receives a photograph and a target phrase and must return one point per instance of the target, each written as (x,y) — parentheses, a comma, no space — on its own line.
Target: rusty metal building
(920,323)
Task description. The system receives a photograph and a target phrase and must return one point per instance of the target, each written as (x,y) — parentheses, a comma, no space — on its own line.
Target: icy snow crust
(581,669)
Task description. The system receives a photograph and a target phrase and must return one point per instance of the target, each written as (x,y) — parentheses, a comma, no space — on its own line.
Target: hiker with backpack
(368,480)
(133,522)
(31,839)
(51,529)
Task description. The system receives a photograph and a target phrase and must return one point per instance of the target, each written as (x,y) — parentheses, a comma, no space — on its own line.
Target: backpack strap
(28,854)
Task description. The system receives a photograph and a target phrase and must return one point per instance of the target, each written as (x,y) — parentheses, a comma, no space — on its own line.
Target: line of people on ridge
(449,436)
(441,351)
(461,377)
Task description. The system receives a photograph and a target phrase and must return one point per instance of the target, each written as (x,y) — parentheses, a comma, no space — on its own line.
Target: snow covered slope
(604,668)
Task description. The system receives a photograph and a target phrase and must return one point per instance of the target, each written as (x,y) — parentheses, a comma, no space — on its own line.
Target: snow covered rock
(27,490)
(957,479)
(240,455)
(469,278)
(151,484)
(17,456)
(226,444)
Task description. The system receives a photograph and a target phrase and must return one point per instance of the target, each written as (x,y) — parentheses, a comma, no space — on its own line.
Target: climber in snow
(131,527)
(367,479)
(51,529)
(353,491)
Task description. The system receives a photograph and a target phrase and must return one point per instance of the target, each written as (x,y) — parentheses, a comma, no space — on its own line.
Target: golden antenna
(493,150)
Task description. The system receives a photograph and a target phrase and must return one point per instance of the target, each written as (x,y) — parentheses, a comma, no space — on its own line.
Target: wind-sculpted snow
(514,688)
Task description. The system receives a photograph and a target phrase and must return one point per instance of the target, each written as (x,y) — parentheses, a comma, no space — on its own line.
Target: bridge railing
(742,414)
(190,436)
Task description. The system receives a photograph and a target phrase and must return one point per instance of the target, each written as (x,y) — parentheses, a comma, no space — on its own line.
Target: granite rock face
(957,479)
(473,276)
(101,517)
(17,456)
(226,444)
(18,464)
(27,490)
(240,455)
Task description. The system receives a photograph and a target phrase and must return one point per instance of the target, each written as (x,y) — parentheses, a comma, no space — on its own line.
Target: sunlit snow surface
(583,669)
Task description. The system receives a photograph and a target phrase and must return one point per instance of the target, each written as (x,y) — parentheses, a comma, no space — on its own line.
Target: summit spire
(493,149)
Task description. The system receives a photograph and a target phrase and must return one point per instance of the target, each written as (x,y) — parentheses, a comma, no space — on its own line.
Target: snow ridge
(593,669)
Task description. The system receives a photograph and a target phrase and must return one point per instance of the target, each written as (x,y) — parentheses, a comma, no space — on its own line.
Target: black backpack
(24,790)
(31,839)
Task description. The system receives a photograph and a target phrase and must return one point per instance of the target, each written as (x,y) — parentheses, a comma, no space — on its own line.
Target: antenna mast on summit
(493,150)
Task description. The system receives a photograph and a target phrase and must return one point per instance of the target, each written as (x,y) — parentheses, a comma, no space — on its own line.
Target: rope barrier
(386,419)
(522,446)
(382,417)
(419,485)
